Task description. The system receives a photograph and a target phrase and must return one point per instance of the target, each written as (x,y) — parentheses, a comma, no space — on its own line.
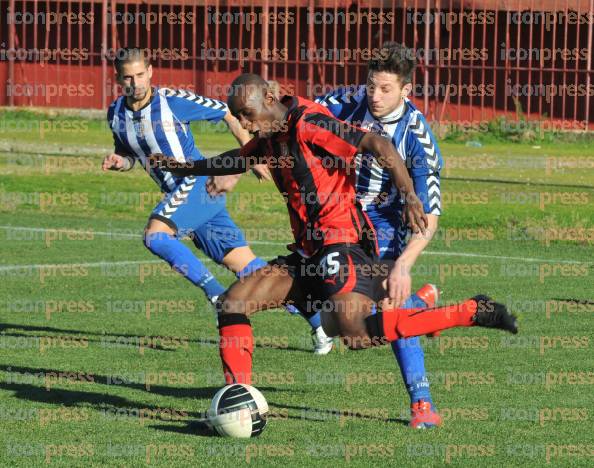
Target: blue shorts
(391,233)
(192,212)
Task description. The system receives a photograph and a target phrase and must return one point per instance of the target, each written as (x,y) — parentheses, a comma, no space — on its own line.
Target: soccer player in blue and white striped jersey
(146,120)
(382,106)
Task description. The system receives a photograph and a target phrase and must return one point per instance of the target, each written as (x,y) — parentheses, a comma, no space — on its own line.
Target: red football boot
(423,416)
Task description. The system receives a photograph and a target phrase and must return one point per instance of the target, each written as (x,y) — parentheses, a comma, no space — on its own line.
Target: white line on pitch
(86,265)
(115,235)
(432,252)
(501,257)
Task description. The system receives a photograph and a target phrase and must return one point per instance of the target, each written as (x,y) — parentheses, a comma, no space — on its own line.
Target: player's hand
(414,214)
(262,172)
(399,284)
(218,185)
(113,162)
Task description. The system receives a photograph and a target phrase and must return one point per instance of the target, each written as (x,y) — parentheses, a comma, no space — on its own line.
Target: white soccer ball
(238,410)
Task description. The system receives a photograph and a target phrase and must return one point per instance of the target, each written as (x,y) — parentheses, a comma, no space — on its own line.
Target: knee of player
(146,240)
(356,342)
(228,304)
(156,241)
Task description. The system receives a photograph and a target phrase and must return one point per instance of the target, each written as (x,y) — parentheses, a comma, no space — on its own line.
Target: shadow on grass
(195,428)
(326,415)
(136,339)
(212,342)
(102,402)
(110,381)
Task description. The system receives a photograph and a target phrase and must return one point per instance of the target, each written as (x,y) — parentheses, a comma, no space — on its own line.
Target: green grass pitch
(107,357)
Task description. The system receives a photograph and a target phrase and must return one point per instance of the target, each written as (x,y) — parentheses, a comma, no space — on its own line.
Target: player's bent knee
(238,258)
(357,342)
(231,305)
(153,241)
(156,226)
(363,334)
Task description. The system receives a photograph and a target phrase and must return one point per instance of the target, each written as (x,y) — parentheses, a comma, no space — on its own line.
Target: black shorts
(336,269)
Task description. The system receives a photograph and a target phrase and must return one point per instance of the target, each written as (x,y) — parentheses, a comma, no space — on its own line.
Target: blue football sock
(254,265)
(314,320)
(182,260)
(411,359)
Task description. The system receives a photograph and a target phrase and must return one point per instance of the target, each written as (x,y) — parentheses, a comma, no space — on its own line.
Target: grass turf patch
(110,358)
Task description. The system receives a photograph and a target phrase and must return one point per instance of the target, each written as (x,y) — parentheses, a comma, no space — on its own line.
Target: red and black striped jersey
(312,162)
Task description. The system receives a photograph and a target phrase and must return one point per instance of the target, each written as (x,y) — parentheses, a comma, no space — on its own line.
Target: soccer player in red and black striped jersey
(333,267)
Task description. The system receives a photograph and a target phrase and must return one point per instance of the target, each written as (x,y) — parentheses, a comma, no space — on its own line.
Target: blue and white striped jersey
(413,139)
(162,126)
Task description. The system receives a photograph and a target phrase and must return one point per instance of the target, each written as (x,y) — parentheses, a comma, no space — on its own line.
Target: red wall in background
(85,81)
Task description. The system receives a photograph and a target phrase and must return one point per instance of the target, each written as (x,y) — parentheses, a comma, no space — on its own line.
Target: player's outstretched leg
(481,311)
(360,329)
(163,242)
(267,288)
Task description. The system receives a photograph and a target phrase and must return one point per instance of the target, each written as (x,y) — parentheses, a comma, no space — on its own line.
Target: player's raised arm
(241,134)
(344,141)
(227,163)
(243,137)
(387,157)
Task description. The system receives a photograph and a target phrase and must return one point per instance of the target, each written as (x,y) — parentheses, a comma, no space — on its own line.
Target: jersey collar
(293,110)
(394,116)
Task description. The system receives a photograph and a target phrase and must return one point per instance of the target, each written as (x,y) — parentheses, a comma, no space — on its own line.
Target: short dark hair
(130,54)
(396,58)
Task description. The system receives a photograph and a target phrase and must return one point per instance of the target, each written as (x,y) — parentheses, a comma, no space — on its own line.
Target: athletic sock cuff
(226,320)
(254,265)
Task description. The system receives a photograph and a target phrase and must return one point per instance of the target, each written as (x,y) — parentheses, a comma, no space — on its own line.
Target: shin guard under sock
(403,323)
(236,347)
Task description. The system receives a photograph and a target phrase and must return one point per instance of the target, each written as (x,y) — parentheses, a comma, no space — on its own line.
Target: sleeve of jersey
(189,106)
(331,103)
(326,135)
(250,149)
(424,165)
(119,147)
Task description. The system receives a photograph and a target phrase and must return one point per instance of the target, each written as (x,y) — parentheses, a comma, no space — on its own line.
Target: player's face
(253,111)
(135,79)
(385,93)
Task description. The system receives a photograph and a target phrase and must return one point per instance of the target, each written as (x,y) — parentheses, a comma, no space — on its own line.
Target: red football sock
(404,323)
(236,347)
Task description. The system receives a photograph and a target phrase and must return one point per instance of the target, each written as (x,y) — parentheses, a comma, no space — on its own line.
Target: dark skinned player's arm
(227,163)
(387,156)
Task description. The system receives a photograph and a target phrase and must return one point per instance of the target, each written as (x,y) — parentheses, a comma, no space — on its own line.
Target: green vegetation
(95,332)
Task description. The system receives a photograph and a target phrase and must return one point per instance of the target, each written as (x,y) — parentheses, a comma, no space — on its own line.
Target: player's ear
(149,70)
(406,89)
